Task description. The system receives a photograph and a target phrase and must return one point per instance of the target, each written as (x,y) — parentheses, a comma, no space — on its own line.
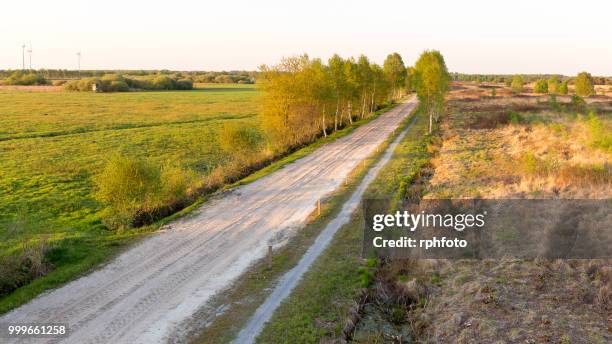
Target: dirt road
(145,294)
(291,279)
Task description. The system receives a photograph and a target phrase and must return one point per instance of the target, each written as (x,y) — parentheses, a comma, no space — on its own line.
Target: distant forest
(507,78)
(223,77)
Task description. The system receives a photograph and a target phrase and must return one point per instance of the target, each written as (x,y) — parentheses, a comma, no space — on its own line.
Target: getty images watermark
(488,229)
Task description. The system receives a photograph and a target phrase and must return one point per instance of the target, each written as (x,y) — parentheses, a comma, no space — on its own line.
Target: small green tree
(517,84)
(395,70)
(553,85)
(541,86)
(432,80)
(583,85)
(563,88)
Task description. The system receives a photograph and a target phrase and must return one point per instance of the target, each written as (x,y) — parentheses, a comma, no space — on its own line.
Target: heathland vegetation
(503,146)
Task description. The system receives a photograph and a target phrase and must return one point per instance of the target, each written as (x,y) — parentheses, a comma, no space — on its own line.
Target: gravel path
(292,278)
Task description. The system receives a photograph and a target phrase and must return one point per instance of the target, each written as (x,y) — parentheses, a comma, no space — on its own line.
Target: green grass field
(52,143)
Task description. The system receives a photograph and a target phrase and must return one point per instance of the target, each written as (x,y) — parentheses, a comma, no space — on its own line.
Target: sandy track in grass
(145,294)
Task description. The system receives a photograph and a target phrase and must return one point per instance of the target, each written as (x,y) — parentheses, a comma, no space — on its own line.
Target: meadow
(53,143)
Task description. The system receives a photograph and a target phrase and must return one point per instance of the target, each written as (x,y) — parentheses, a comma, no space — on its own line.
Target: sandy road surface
(291,279)
(145,294)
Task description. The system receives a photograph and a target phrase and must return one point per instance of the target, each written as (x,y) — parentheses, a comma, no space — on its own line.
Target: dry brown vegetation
(507,146)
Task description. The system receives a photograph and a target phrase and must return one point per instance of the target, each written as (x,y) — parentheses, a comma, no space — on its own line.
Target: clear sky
(474,36)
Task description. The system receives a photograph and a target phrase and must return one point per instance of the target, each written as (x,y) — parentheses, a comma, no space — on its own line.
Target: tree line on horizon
(58,77)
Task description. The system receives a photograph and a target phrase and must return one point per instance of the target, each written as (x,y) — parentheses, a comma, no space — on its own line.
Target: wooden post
(319,207)
(269,257)
(346,181)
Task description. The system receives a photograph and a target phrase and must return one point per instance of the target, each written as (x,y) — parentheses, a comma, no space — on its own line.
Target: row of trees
(507,78)
(584,85)
(239,77)
(24,79)
(305,97)
(120,83)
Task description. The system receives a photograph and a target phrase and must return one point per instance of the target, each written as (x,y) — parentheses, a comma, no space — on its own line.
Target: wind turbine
(23,56)
(30,53)
(79,59)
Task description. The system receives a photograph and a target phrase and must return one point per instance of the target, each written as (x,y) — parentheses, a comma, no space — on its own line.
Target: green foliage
(239,139)
(517,84)
(395,70)
(583,85)
(303,97)
(515,117)
(600,136)
(119,83)
(578,102)
(25,79)
(432,81)
(127,186)
(541,86)
(563,88)
(553,85)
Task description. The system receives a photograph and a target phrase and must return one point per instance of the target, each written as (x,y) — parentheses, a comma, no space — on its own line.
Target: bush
(25,79)
(163,82)
(240,139)
(21,268)
(176,183)
(563,88)
(184,84)
(517,84)
(578,102)
(583,85)
(135,191)
(127,186)
(541,86)
(553,85)
(599,135)
(118,86)
(119,83)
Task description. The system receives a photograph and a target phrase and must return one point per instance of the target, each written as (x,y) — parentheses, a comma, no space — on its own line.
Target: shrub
(21,268)
(517,84)
(184,84)
(25,79)
(578,102)
(583,85)
(119,86)
(176,183)
(563,88)
(599,135)
(553,85)
(163,82)
(541,86)
(240,139)
(127,186)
